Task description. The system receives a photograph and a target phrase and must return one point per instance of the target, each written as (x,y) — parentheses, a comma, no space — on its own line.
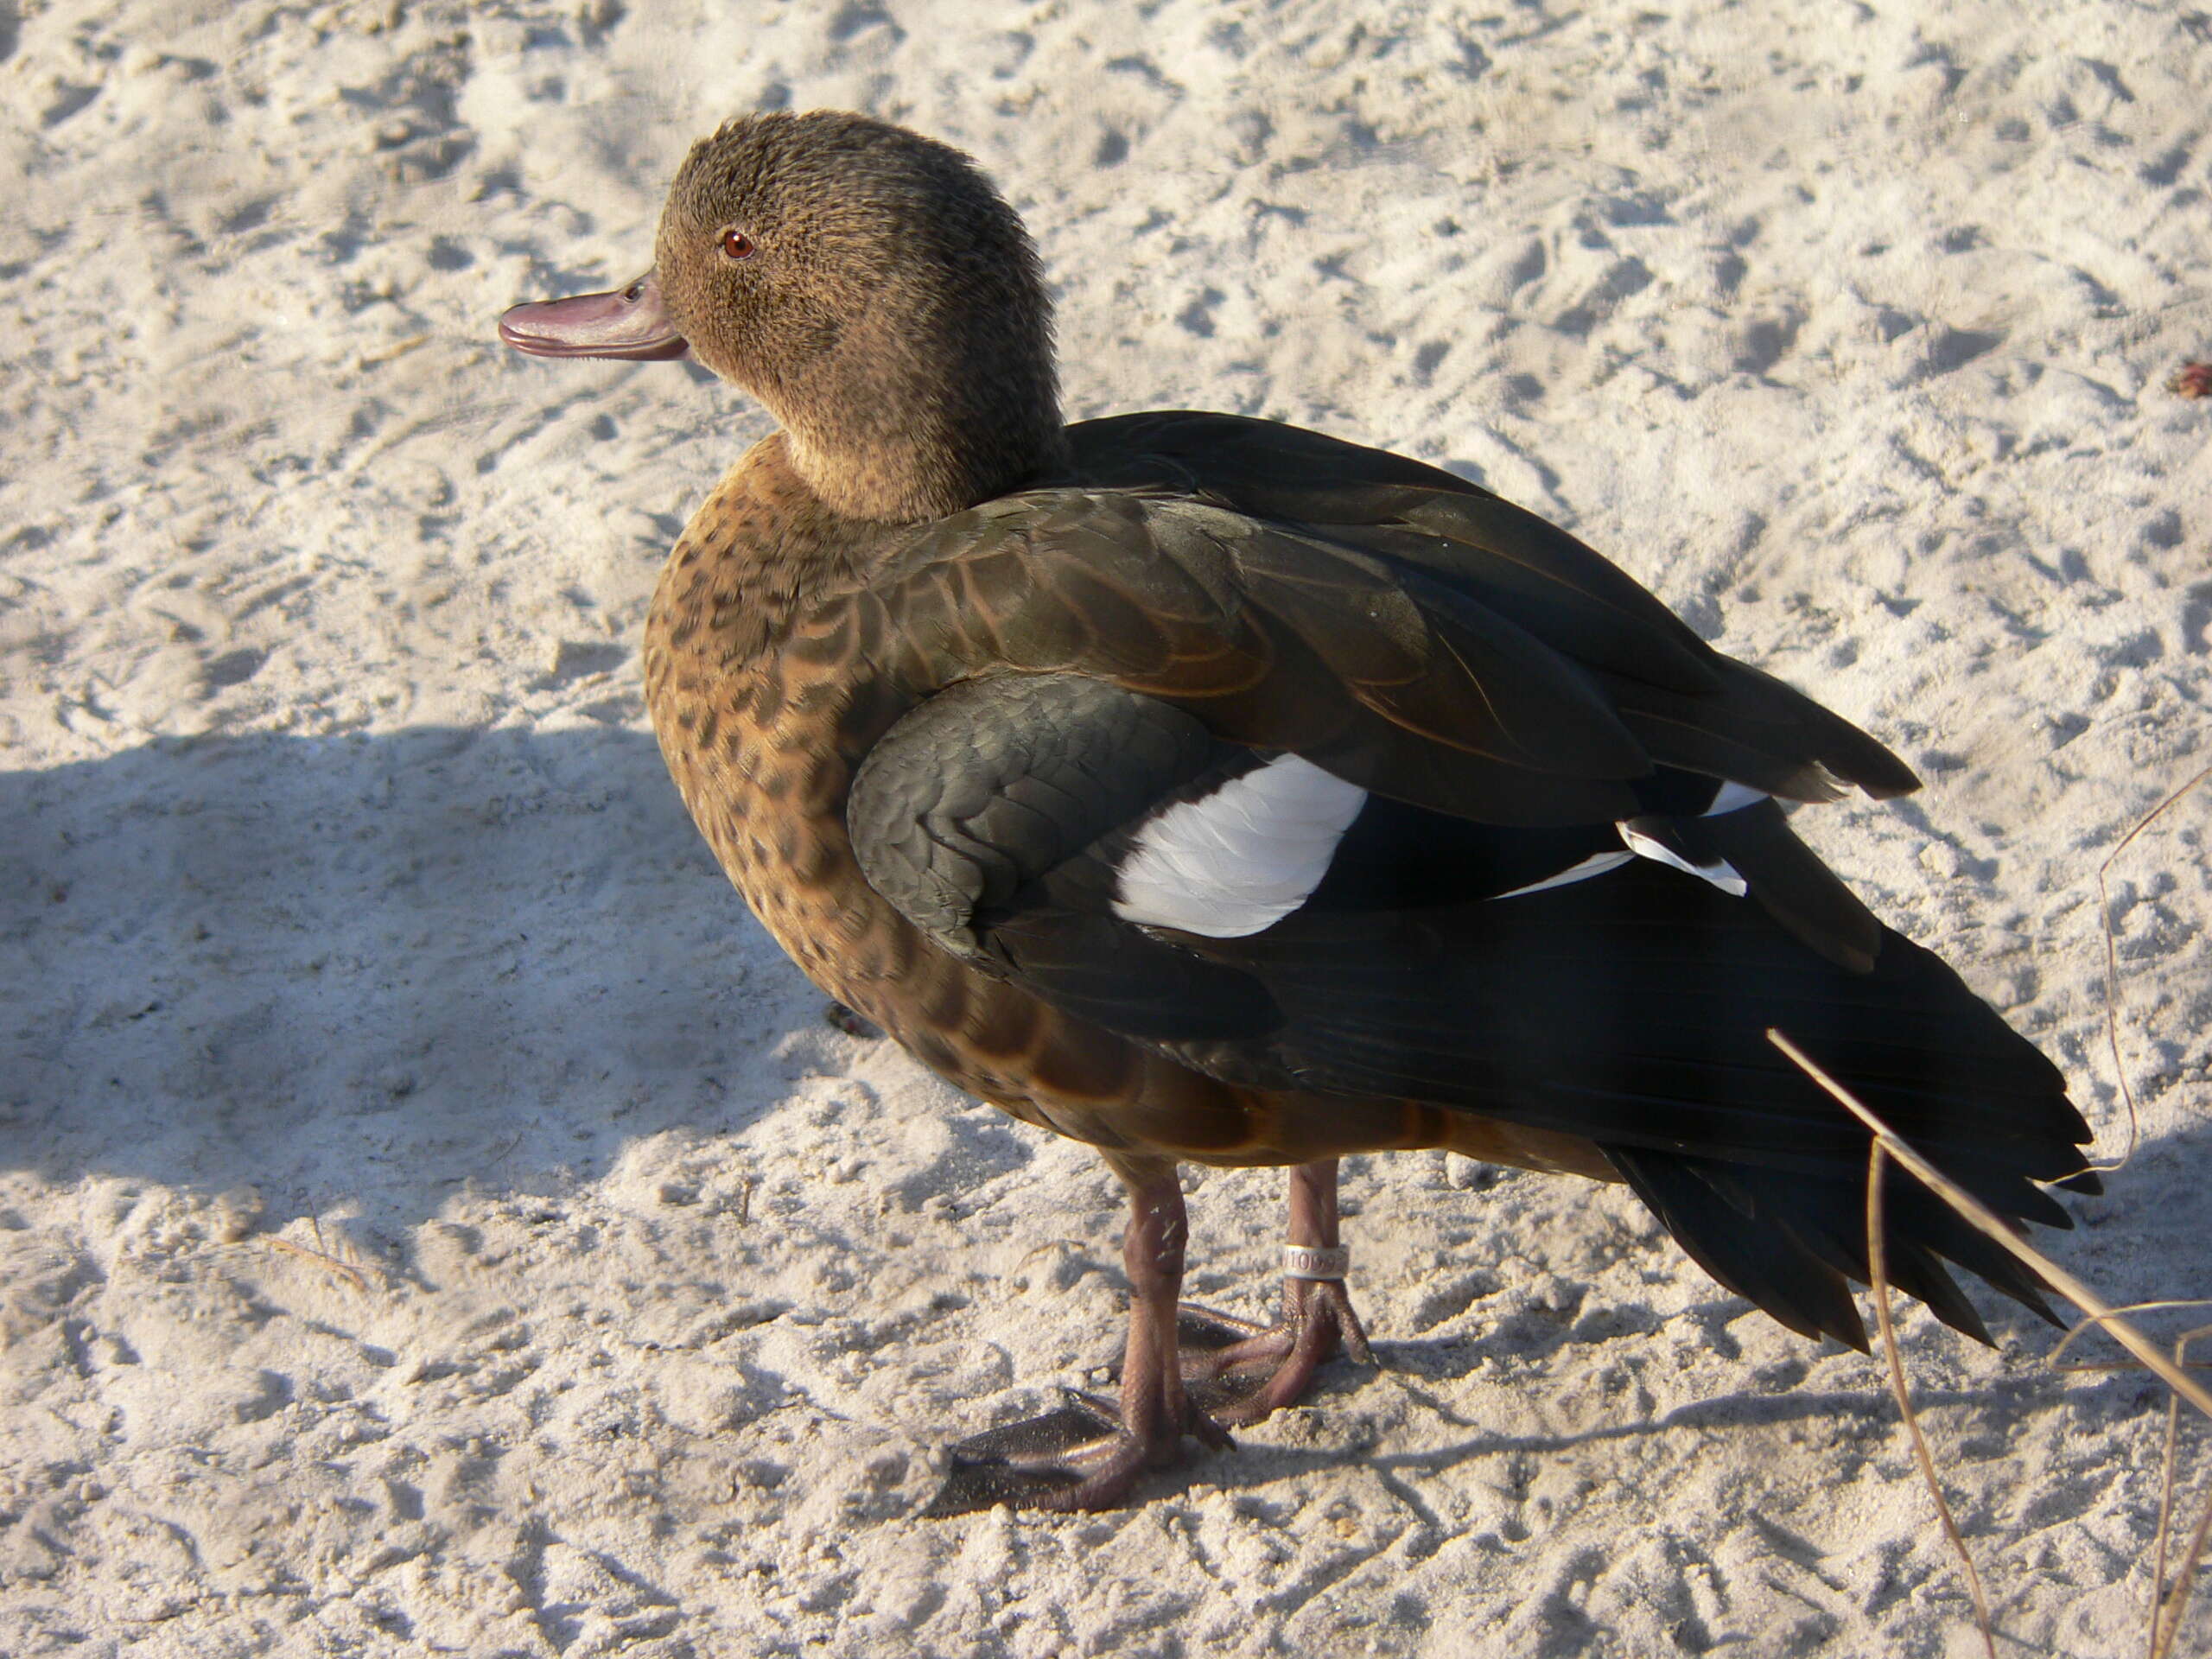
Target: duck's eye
(736,244)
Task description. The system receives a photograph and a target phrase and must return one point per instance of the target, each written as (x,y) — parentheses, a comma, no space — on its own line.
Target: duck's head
(864,283)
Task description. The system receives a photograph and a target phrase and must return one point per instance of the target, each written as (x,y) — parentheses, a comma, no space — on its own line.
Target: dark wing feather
(1276,639)
(1690,705)
(992,783)
(1793,1247)
(1750,1248)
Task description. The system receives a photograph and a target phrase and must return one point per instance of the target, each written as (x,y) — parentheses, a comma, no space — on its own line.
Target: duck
(1212,791)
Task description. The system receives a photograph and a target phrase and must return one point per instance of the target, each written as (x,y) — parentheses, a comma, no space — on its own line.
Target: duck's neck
(899,483)
(886,477)
(899,423)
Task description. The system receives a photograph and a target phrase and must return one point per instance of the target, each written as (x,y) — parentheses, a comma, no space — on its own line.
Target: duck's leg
(1086,1455)
(1247,1371)
(838,1017)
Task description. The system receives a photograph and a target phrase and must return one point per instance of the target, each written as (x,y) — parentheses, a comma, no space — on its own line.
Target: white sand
(434,1218)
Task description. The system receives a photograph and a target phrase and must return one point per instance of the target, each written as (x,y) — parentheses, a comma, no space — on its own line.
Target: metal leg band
(1310,1261)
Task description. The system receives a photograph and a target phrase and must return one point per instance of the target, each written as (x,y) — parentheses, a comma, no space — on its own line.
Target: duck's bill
(629,323)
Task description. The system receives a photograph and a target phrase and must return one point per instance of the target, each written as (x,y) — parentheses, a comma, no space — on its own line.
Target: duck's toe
(1078,1457)
(1238,1372)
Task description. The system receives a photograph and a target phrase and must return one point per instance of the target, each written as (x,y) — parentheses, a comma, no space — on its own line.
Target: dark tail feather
(1794,1246)
(1720,1224)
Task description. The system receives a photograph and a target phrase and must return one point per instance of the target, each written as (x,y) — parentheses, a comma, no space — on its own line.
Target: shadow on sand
(364,970)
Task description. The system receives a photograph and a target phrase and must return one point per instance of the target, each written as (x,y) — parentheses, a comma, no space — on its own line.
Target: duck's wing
(1710,713)
(1264,920)
(1503,674)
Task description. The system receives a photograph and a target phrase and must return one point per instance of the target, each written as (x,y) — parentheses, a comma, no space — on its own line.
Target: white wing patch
(1730,798)
(1733,798)
(1243,857)
(1596,864)
(1720,872)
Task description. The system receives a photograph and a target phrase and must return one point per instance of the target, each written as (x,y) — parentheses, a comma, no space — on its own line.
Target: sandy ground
(434,1218)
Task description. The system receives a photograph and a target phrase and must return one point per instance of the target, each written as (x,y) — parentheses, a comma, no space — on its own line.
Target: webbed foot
(1078,1457)
(1238,1372)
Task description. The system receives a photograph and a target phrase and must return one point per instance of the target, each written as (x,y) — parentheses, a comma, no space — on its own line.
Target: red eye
(736,244)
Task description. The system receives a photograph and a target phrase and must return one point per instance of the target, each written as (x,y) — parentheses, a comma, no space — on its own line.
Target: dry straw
(320,1256)
(2167,1606)
(2115,998)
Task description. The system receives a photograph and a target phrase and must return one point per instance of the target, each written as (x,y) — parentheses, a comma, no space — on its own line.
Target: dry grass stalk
(2168,1605)
(2114,1000)
(2175,1376)
(1878,1271)
(346,1270)
(2168,1608)
(2088,1325)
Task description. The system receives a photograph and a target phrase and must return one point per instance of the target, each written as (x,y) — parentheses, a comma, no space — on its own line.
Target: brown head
(864,283)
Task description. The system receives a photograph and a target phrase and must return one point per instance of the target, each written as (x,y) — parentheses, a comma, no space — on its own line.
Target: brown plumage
(934,674)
